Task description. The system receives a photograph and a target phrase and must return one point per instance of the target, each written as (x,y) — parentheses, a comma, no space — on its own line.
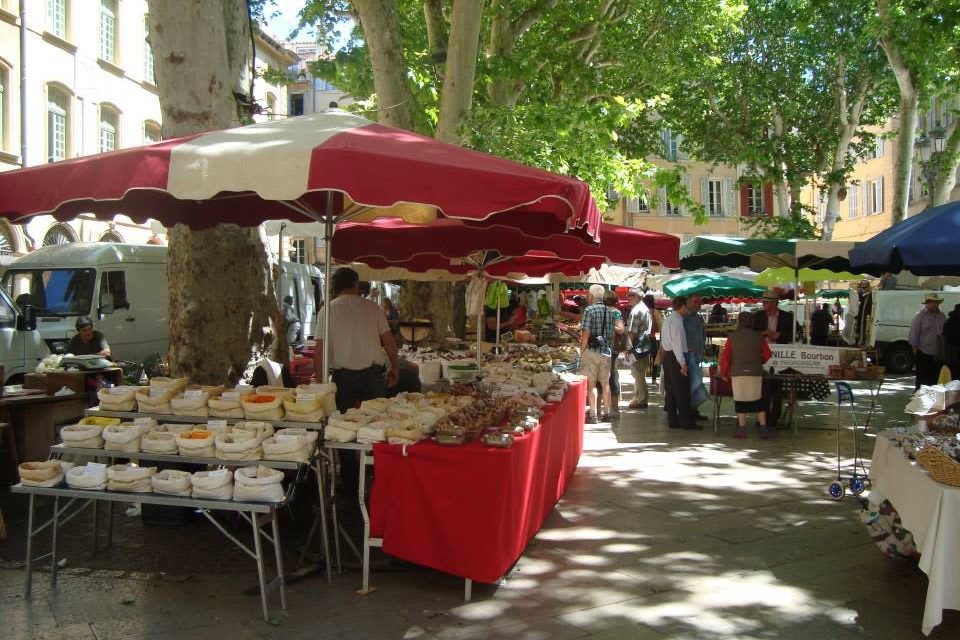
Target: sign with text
(803,358)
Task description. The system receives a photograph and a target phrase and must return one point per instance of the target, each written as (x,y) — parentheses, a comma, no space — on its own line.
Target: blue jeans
(698,392)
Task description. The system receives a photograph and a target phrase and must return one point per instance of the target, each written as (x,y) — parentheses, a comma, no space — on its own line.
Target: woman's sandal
(741,433)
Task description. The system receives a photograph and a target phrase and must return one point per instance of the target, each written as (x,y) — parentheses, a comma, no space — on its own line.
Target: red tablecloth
(471,510)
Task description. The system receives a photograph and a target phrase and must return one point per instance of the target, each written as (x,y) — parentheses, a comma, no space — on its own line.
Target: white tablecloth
(931,511)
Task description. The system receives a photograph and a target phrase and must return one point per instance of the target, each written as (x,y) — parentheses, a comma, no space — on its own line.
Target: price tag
(116,391)
(156,392)
(193,393)
(230,395)
(506,336)
(306,398)
(216,424)
(219,473)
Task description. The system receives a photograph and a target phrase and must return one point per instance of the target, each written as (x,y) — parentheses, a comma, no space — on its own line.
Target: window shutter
(633,205)
(681,154)
(867,197)
(685,209)
(881,206)
(662,198)
(729,196)
(705,192)
(851,201)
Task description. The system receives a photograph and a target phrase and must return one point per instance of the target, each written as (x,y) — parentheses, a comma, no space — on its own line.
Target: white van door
(11,342)
(116,320)
(147,291)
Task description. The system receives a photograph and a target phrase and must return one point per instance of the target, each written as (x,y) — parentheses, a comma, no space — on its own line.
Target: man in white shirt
(361,343)
(673,341)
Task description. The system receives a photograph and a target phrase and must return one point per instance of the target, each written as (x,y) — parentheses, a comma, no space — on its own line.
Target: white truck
(892,312)
(122,288)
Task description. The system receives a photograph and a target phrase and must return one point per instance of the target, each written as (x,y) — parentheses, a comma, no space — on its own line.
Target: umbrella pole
(796,300)
(480,327)
(497,343)
(328,225)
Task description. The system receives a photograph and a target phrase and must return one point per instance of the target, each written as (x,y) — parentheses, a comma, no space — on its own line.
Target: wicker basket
(940,466)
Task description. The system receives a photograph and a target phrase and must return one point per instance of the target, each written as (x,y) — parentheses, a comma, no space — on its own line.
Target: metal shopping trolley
(858,480)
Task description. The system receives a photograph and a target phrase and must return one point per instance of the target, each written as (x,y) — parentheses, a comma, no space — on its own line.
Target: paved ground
(663,534)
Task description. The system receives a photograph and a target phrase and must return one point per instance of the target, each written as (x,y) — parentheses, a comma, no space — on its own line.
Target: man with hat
(926,330)
(88,342)
(777,327)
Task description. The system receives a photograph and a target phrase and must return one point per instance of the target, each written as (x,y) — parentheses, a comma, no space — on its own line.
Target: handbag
(642,347)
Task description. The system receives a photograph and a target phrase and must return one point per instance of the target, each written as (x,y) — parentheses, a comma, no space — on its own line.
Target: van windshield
(52,292)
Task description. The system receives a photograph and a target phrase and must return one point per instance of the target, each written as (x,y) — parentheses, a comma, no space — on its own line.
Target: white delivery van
(121,287)
(303,283)
(21,346)
(893,311)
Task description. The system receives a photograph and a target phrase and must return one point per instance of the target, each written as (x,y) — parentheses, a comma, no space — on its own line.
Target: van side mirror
(106,308)
(27,320)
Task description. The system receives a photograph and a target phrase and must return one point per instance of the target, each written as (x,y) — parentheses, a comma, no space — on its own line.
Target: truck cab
(21,346)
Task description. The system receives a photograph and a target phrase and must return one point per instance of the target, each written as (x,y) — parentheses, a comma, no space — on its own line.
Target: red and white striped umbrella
(327,164)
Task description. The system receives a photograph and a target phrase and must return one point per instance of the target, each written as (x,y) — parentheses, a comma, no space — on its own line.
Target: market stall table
(931,511)
(470,510)
(33,417)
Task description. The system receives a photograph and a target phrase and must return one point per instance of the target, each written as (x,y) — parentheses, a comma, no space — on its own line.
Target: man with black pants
(777,327)
(676,383)
(926,330)
(361,343)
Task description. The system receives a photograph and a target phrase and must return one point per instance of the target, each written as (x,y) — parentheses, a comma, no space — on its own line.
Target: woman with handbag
(742,362)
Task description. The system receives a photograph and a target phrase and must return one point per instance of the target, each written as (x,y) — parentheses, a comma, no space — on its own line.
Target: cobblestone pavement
(662,534)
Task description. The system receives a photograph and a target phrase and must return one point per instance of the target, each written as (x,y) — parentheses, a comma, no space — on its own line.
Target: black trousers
(928,369)
(353,387)
(677,390)
(772,400)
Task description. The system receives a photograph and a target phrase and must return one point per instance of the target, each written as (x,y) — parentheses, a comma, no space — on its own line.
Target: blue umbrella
(925,244)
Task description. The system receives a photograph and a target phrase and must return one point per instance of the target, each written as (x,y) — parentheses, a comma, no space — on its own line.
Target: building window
(876,196)
(298,250)
(108,30)
(754,200)
(877,151)
(151,132)
(671,144)
(109,126)
(59,234)
(58,124)
(713,199)
(296,104)
(638,205)
(853,202)
(319,84)
(8,245)
(271,107)
(57,18)
(4,79)
(147,53)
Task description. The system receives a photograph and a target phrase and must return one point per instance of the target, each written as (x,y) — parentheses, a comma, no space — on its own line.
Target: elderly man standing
(696,331)
(361,343)
(596,339)
(676,382)
(926,329)
(640,331)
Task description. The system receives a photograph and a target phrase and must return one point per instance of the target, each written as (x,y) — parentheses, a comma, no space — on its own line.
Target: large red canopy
(500,250)
(300,169)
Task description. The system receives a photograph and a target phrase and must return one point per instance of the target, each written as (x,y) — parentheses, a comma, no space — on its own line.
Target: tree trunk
(220,296)
(780,191)
(909,99)
(381,32)
(948,160)
(457,96)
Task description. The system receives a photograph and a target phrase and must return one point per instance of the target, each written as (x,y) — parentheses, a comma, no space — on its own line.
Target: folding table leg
(324,530)
(53,540)
(260,571)
(28,566)
(467,589)
(275,526)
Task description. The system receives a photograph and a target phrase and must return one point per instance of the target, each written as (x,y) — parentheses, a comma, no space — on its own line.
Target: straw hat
(933,297)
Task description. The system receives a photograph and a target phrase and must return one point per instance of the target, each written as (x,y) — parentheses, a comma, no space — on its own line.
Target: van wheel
(899,358)
(16,378)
